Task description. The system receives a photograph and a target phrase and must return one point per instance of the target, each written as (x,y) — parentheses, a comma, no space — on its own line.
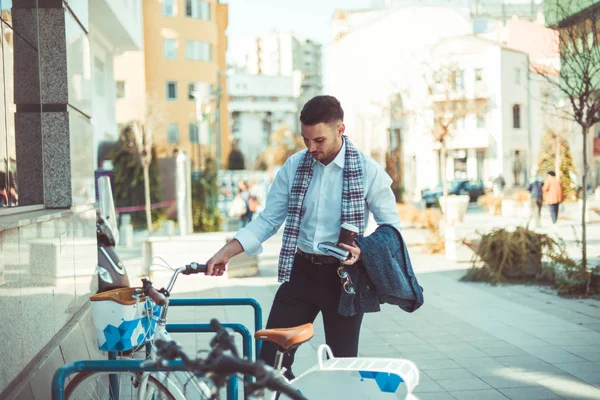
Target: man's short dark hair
(551,173)
(325,109)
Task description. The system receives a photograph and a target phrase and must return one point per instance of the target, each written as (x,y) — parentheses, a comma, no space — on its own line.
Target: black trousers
(554,212)
(312,289)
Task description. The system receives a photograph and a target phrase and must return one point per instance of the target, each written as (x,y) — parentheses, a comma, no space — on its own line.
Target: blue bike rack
(60,376)
(229,301)
(113,365)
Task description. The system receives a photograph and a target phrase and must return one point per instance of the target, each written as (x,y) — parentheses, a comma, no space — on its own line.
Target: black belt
(318,259)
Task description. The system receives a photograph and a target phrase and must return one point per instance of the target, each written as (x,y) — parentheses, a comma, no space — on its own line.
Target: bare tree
(578,36)
(445,105)
(143,132)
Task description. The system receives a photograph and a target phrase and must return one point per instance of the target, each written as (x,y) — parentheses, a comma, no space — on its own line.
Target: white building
(259,105)
(374,56)
(492,140)
(284,54)
(115,27)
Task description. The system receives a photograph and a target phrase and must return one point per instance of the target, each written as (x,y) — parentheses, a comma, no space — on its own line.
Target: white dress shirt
(322,207)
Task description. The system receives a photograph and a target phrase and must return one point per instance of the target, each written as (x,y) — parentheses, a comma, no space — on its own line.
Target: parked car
(473,189)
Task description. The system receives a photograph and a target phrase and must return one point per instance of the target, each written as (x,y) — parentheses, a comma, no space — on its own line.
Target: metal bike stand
(228,301)
(61,374)
(205,328)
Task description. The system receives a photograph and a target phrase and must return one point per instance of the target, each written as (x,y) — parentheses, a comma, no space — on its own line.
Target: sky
(306,18)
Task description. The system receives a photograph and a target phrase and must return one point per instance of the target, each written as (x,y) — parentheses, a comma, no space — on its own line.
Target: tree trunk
(584,131)
(444,181)
(147,196)
(557,158)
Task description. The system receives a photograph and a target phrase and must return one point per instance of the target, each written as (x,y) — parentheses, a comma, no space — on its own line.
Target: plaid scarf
(353,204)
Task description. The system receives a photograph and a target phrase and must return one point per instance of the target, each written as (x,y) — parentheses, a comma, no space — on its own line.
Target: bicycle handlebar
(156,296)
(194,268)
(160,296)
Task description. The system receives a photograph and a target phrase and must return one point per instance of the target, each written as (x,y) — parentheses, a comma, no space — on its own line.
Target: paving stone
(479,395)
(529,393)
(463,384)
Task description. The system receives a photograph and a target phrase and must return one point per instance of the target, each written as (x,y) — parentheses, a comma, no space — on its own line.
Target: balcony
(120,21)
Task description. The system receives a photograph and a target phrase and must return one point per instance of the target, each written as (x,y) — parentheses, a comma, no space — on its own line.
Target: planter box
(592,212)
(457,208)
(455,249)
(509,208)
(199,247)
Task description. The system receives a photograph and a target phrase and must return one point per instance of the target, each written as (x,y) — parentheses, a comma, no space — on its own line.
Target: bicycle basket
(123,321)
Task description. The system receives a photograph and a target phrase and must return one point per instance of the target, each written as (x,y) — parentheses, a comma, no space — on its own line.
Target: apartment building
(180,76)
(260,105)
(284,54)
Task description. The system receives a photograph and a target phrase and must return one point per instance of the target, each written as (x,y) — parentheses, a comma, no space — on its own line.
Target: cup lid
(350,227)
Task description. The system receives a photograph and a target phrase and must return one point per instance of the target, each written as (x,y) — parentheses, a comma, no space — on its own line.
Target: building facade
(47,227)
(259,106)
(571,20)
(115,27)
(184,80)
(384,71)
(489,137)
(284,54)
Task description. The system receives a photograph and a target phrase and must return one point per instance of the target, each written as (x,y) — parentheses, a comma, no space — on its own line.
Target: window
(170,49)
(196,50)
(171,90)
(120,89)
(481,121)
(458,80)
(517,116)
(193,131)
(99,76)
(191,90)
(197,9)
(478,74)
(173,133)
(517,76)
(168,8)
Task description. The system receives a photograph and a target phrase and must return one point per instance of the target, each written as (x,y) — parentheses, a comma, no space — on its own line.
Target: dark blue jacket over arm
(384,275)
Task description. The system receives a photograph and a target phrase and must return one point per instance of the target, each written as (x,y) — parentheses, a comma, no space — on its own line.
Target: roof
(531,38)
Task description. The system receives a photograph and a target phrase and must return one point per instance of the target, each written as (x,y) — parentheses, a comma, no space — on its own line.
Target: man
(315,191)
(536,197)
(554,194)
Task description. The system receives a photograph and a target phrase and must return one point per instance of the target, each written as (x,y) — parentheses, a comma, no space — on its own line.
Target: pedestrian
(499,184)
(536,197)
(314,192)
(244,193)
(554,194)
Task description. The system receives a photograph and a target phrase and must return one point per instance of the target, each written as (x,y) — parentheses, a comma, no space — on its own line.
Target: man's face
(323,141)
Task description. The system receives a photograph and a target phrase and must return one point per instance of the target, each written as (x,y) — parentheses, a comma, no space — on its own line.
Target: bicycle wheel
(95,385)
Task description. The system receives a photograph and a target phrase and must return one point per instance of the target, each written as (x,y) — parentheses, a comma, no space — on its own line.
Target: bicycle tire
(94,385)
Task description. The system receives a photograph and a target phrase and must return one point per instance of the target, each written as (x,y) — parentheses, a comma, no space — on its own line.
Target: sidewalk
(470,341)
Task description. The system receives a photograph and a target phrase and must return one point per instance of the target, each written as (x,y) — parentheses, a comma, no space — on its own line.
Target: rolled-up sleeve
(380,198)
(271,218)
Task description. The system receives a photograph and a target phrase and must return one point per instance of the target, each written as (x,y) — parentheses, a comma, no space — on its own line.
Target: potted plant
(491,203)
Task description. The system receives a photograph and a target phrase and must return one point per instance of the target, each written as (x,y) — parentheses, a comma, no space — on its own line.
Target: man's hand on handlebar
(217,264)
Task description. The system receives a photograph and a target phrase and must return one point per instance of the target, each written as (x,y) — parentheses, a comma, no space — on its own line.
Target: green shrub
(205,213)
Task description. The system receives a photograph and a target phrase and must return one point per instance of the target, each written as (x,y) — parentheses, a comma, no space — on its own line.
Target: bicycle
(397,378)
(148,308)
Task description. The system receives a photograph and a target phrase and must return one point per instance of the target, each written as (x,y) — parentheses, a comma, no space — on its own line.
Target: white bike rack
(358,378)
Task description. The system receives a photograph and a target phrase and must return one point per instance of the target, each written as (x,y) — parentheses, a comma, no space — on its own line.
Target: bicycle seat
(287,338)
